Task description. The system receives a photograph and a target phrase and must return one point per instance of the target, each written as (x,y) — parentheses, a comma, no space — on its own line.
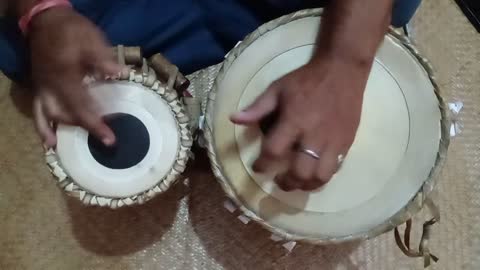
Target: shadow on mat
(238,246)
(113,232)
(22,99)
(126,230)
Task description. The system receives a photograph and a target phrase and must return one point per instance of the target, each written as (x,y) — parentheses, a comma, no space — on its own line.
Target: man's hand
(65,47)
(319,107)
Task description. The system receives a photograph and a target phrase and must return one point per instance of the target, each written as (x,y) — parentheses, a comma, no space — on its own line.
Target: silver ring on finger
(310,153)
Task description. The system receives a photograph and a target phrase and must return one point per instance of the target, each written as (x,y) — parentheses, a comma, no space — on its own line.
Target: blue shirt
(193,34)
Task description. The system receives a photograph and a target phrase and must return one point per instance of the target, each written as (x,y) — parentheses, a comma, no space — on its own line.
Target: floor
(188,228)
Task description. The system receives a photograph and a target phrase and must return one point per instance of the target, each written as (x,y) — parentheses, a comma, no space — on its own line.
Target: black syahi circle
(132,142)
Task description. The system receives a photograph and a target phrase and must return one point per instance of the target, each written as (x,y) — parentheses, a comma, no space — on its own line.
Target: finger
(42,126)
(94,124)
(277,145)
(263,105)
(328,164)
(312,185)
(286,183)
(100,60)
(304,170)
(54,110)
(83,107)
(305,164)
(106,69)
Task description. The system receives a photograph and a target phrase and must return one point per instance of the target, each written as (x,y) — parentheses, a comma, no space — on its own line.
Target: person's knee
(403,11)
(13,56)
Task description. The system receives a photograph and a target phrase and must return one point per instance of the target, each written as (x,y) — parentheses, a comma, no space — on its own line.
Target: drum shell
(141,73)
(408,211)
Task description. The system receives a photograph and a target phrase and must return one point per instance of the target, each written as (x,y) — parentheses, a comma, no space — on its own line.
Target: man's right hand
(65,47)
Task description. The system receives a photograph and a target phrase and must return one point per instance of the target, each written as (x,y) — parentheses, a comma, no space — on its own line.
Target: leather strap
(423,249)
(166,72)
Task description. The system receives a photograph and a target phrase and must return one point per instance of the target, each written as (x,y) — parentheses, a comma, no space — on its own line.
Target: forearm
(354,29)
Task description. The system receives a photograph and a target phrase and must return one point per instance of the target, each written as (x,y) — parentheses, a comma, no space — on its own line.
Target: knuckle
(52,112)
(88,120)
(302,174)
(93,124)
(296,120)
(271,151)
(66,59)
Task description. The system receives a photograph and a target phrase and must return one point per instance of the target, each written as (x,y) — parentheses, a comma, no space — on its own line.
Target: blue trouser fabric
(191,33)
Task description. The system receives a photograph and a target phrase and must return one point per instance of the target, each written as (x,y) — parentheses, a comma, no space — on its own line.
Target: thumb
(263,106)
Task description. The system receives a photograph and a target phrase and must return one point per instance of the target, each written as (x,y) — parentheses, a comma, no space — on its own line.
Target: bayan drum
(151,127)
(389,170)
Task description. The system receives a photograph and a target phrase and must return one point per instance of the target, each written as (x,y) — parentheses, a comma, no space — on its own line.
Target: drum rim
(409,210)
(145,77)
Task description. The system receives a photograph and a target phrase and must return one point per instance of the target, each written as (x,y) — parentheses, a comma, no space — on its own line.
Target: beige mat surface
(188,228)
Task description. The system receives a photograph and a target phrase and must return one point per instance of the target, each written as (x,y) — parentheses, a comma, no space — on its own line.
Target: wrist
(354,59)
(38,9)
(355,68)
(49,19)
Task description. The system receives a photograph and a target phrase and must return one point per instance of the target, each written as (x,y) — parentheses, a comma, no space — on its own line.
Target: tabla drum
(390,168)
(385,179)
(152,131)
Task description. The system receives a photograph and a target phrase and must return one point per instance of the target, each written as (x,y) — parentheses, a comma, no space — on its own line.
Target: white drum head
(155,131)
(393,154)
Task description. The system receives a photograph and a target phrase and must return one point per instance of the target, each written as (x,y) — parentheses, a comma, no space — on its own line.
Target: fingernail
(107,141)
